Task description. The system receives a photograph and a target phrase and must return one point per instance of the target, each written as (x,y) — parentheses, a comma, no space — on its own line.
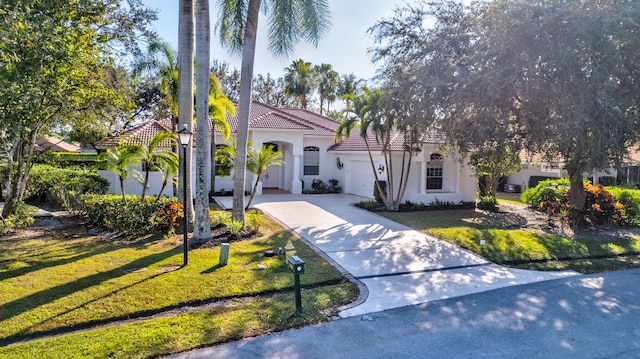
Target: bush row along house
(311,152)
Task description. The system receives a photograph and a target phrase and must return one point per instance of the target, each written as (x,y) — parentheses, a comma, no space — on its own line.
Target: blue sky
(344,46)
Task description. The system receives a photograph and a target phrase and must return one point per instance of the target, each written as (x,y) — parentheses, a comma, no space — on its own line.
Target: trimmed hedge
(130,218)
(60,187)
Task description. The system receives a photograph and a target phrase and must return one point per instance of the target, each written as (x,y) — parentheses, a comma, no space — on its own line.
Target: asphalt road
(594,316)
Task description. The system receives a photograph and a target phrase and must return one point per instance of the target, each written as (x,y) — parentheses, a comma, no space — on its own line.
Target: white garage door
(360,179)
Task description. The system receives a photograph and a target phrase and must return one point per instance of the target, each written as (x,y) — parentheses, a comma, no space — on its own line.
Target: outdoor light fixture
(380,169)
(339,163)
(184,136)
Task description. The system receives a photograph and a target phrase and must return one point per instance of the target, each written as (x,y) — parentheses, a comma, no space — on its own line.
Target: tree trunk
(202,225)
(253,192)
(145,184)
(246,77)
(185,93)
(576,206)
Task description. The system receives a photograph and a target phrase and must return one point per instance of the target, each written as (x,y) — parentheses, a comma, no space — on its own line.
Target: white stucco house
(311,151)
(536,166)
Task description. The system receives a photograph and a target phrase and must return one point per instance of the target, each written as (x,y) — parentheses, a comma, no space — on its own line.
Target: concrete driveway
(397,265)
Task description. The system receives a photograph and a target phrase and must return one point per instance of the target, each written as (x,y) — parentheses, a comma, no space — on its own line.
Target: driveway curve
(398,265)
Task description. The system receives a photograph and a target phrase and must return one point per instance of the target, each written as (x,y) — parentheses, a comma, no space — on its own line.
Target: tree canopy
(556,77)
(52,58)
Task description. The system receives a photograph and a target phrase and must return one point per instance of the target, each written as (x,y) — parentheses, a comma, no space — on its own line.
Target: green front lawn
(521,248)
(55,285)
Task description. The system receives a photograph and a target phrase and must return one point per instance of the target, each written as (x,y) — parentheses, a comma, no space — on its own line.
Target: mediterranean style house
(311,152)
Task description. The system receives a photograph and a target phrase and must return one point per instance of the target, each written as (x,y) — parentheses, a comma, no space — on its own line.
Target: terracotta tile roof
(262,116)
(356,143)
(323,125)
(44,142)
(138,135)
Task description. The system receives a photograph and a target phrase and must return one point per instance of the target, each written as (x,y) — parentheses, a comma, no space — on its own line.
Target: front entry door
(271,176)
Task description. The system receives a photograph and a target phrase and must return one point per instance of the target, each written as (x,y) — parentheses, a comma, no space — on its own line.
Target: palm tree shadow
(19,306)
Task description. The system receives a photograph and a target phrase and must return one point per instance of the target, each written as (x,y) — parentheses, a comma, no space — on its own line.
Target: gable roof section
(137,135)
(44,142)
(323,125)
(356,143)
(263,116)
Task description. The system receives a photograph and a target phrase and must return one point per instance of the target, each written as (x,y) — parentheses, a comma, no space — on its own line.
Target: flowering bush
(600,207)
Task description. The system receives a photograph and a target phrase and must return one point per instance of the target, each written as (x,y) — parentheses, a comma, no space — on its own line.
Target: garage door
(360,179)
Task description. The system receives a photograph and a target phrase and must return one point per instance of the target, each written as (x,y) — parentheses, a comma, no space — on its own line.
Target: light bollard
(297,267)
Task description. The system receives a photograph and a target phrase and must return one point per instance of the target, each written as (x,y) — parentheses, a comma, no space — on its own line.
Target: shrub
(334,187)
(254,220)
(62,188)
(534,180)
(133,218)
(630,201)
(550,190)
(22,217)
(318,186)
(376,194)
(170,213)
(600,207)
(488,202)
(219,217)
(234,227)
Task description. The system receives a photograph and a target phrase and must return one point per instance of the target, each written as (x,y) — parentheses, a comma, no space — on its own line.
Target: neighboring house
(538,167)
(310,151)
(53,144)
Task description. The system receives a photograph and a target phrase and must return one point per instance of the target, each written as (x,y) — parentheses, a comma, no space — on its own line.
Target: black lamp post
(184,136)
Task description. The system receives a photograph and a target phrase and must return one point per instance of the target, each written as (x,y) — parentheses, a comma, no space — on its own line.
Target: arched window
(311,161)
(434,171)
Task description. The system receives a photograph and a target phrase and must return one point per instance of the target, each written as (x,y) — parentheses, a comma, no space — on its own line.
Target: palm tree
(219,106)
(154,157)
(202,225)
(169,171)
(300,80)
(327,84)
(162,61)
(350,88)
(259,161)
(291,21)
(119,160)
(185,91)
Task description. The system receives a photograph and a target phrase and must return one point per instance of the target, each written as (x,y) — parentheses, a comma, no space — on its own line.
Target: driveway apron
(399,266)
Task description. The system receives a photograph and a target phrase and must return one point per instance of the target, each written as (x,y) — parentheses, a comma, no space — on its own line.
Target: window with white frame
(434,172)
(311,161)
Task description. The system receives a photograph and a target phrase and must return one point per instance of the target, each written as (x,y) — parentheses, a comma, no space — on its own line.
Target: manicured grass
(154,337)
(516,247)
(513,198)
(53,285)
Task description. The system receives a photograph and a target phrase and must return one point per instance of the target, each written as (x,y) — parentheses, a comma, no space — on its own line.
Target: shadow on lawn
(39,264)
(35,300)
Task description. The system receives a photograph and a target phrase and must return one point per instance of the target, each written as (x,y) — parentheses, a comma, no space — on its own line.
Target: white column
(296,184)
(423,177)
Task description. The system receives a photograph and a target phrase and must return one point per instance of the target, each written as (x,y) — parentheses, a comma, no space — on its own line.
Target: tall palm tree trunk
(202,225)
(185,93)
(248,55)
